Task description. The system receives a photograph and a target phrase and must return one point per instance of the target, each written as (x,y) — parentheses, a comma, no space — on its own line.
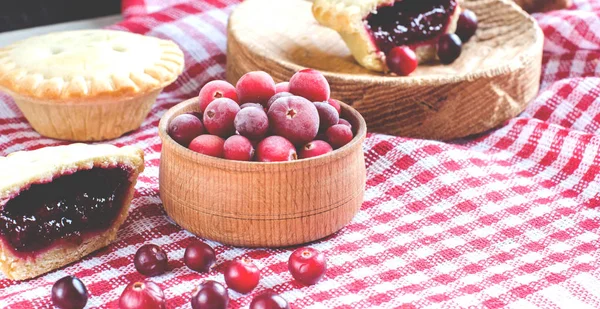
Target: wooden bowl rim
(225,164)
(432,79)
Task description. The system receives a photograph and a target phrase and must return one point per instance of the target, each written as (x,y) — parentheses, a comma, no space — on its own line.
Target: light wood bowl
(495,78)
(255,204)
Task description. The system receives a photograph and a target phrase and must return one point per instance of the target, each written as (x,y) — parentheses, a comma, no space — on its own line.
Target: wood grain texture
(494,79)
(256,204)
(533,6)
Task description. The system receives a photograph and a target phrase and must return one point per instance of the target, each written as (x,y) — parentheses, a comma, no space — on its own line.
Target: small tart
(88,85)
(59,204)
(371,28)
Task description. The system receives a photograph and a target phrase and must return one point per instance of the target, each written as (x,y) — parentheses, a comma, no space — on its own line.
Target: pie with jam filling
(59,204)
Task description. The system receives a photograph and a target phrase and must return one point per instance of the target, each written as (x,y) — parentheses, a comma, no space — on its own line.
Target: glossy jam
(83,202)
(409,22)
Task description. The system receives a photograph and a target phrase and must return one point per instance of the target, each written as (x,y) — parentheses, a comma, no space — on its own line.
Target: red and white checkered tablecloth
(509,219)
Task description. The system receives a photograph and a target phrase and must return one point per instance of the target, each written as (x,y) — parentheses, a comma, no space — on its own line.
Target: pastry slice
(371,28)
(59,204)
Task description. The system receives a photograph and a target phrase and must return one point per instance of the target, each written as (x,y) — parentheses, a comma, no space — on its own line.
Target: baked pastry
(59,204)
(371,28)
(543,5)
(88,85)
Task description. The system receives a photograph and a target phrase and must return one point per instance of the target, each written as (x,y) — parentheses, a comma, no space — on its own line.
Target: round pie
(88,85)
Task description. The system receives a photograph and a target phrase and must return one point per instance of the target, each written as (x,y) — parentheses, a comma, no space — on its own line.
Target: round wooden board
(496,76)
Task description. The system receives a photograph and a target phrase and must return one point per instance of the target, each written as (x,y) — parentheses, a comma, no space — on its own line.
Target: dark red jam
(409,22)
(64,209)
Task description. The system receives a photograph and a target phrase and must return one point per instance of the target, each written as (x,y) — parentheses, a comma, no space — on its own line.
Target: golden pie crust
(43,165)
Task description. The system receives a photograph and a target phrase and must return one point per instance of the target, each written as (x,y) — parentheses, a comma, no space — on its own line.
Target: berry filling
(86,201)
(409,22)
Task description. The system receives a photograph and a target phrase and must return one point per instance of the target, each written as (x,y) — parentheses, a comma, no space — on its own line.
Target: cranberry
(216,89)
(142,295)
(246,105)
(199,256)
(219,116)
(275,149)
(310,84)
(315,149)
(209,145)
(282,87)
(402,60)
(277,96)
(339,135)
(256,87)
(467,25)
(294,118)
(345,122)
(307,265)
(252,122)
(269,300)
(449,48)
(242,275)
(150,260)
(69,293)
(328,116)
(210,295)
(184,128)
(238,148)
(336,104)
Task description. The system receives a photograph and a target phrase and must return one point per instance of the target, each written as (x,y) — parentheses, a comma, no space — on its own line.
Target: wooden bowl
(495,78)
(255,204)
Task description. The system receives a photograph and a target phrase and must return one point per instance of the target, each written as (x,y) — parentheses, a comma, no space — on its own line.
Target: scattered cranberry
(142,295)
(336,104)
(246,105)
(307,265)
(199,256)
(277,96)
(345,122)
(210,295)
(314,149)
(69,293)
(238,148)
(209,145)
(328,116)
(219,116)
(196,114)
(294,118)
(269,300)
(402,60)
(252,122)
(275,149)
(467,25)
(282,87)
(255,87)
(216,89)
(184,128)
(242,275)
(449,48)
(339,135)
(310,84)
(150,260)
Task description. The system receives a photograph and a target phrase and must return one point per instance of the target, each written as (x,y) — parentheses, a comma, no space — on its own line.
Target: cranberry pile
(402,60)
(258,120)
(306,265)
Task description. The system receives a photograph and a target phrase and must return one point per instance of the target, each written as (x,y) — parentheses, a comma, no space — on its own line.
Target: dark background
(19,14)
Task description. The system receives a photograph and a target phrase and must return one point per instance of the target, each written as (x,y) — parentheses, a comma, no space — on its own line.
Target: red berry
(199,256)
(339,135)
(238,148)
(216,89)
(150,260)
(246,105)
(294,118)
(449,48)
(307,265)
(314,149)
(209,145)
(184,128)
(219,116)
(269,300)
(69,293)
(252,122)
(142,295)
(345,122)
(242,275)
(282,87)
(210,295)
(311,85)
(336,104)
(277,96)
(467,25)
(275,149)
(255,87)
(402,60)
(328,116)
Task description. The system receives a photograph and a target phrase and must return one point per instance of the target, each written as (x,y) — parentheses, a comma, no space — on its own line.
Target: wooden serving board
(494,79)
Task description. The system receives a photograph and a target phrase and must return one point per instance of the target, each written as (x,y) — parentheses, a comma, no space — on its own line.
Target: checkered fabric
(507,219)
